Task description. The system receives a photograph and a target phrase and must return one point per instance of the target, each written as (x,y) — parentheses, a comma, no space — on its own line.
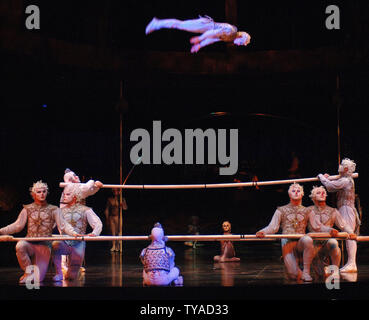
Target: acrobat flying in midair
(210,30)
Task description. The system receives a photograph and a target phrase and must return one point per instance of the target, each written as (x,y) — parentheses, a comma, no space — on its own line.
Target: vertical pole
(338,119)
(230,12)
(120,168)
(338,102)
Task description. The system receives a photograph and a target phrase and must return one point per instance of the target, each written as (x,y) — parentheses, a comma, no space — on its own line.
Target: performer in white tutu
(344,186)
(227,252)
(78,216)
(210,30)
(158,261)
(324,218)
(40,218)
(293,218)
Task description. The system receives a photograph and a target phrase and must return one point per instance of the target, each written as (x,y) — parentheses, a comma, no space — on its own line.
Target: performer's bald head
(157,233)
(70,176)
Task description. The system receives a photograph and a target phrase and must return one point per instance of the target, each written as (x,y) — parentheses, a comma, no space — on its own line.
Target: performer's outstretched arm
(17,226)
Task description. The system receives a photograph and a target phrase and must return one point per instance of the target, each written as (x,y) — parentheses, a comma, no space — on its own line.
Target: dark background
(287,92)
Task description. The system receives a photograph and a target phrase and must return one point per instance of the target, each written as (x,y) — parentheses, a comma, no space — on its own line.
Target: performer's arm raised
(333,185)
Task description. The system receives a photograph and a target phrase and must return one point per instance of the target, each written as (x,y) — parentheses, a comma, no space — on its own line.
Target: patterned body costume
(78,216)
(40,220)
(158,262)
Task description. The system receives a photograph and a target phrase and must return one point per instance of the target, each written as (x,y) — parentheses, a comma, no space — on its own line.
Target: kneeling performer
(40,218)
(77,215)
(322,219)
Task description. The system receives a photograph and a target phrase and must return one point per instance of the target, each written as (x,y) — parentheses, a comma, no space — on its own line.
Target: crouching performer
(322,219)
(158,261)
(78,216)
(40,218)
(293,218)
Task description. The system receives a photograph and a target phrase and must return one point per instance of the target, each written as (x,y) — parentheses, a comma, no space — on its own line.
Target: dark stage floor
(259,275)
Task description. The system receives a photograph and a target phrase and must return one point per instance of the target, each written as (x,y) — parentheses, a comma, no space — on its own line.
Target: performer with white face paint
(158,261)
(345,188)
(322,219)
(86,189)
(78,216)
(293,218)
(227,253)
(210,30)
(40,218)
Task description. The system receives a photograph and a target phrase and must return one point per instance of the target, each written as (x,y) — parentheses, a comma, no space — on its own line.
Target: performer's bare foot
(195,48)
(152,26)
(23,278)
(349,268)
(178,281)
(306,277)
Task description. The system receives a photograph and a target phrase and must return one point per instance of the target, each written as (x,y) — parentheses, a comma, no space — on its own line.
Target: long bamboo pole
(231,237)
(215,185)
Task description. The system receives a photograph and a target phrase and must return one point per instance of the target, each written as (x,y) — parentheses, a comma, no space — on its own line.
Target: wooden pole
(215,185)
(231,237)
(120,168)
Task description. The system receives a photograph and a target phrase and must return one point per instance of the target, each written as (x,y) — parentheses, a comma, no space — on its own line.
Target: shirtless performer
(210,30)
(158,261)
(345,188)
(40,218)
(228,253)
(293,218)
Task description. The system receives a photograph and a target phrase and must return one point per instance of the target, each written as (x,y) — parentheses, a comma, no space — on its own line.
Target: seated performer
(322,219)
(40,218)
(228,253)
(293,218)
(78,216)
(345,188)
(210,30)
(158,261)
